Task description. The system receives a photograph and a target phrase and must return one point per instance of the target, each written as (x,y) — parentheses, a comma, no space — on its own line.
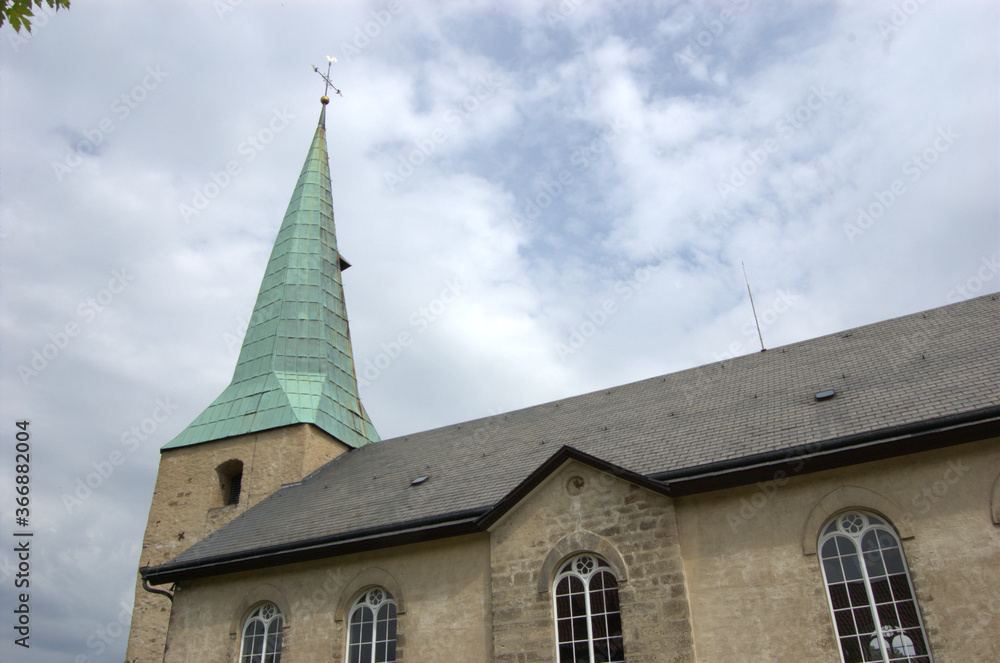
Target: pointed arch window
(371,628)
(261,642)
(588,616)
(871,596)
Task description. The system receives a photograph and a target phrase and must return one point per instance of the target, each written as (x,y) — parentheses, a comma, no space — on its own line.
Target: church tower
(292,405)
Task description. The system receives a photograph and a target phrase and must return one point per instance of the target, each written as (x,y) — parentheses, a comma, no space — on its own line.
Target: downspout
(153,590)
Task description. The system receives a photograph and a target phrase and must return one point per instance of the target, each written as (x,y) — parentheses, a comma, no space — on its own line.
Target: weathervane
(326,77)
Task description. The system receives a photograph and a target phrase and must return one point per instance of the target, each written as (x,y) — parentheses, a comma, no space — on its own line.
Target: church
(833,500)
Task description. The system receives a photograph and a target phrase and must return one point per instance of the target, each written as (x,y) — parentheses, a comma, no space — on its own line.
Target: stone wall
(188,504)
(580,509)
(716,577)
(756,587)
(442,590)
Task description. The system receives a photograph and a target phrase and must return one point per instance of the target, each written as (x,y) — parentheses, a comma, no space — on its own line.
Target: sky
(539,199)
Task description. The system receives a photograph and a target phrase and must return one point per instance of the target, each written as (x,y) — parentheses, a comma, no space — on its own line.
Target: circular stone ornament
(575,485)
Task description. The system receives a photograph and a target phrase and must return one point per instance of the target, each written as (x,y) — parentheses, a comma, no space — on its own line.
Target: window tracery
(587,612)
(870,592)
(371,628)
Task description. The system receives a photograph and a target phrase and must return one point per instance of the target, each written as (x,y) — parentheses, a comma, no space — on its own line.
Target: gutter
(813,457)
(424,529)
(835,452)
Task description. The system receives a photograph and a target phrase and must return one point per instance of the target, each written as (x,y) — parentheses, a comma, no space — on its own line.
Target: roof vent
(418,481)
(825,395)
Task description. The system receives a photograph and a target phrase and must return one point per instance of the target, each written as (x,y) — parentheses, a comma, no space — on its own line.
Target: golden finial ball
(324,100)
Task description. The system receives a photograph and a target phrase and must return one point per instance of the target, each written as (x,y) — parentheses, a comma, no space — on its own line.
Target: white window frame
(584,567)
(374,600)
(855,525)
(269,616)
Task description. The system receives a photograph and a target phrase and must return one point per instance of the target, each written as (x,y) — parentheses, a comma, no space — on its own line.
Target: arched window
(588,618)
(261,641)
(871,596)
(371,628)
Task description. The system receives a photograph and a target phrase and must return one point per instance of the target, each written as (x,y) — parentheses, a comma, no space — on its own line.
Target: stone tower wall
(188,504)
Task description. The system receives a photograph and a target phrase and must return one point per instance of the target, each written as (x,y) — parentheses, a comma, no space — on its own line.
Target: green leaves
(20,12)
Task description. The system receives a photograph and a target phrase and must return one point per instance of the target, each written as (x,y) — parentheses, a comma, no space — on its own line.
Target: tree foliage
(20,12)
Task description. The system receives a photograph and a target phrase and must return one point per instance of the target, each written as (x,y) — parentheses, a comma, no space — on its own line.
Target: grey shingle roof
(910,369)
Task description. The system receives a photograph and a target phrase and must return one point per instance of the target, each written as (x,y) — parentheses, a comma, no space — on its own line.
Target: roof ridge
(700,367)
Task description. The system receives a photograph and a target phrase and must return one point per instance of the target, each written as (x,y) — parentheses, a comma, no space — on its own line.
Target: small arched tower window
(230,481)
(261,642)
(588,616)
(371,628)
(872,599)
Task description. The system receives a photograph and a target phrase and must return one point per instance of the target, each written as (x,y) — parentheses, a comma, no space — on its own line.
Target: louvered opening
(230,481)
(235,484)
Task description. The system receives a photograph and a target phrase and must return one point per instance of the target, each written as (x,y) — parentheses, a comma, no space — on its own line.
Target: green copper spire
(296,364)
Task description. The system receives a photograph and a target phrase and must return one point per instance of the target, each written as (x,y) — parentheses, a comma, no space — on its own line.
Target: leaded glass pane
(588,621)
(261,641)
(881,591)
(852,567)
(900,587)
(893,561)
(865,620)
(834,572)
(870,594)
(845,622)
(859,596)
(838,596)
(372,628)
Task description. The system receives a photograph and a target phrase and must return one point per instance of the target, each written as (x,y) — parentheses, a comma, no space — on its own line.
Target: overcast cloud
(539,199)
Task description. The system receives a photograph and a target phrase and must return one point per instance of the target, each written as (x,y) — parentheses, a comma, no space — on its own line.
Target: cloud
(532,193)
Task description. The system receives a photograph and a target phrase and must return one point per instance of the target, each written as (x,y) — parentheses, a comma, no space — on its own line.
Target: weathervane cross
(326,77)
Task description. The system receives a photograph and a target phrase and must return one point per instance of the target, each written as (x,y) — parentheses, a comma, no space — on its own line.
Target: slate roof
(296,364)
(930,367)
